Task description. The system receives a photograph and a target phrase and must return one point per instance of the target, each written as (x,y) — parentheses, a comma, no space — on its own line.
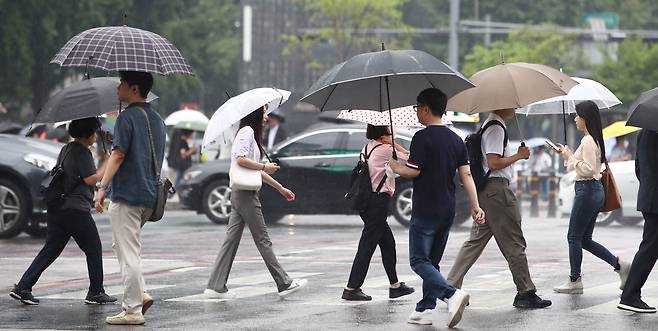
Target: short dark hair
(143,80)
(83,128)
(375,132)
(435,99)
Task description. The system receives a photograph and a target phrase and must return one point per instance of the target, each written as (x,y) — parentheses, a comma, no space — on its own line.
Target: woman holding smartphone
(247,151)
(589,200)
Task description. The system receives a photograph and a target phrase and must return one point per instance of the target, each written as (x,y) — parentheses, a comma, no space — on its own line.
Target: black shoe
(530,300)
(636,306)
(99,299)
(355,295)
(25,296)
(400,291)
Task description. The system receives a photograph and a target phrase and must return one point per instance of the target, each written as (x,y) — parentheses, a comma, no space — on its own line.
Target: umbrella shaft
(390,117)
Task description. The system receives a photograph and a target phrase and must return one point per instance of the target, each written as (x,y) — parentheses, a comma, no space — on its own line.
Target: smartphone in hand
(553,146)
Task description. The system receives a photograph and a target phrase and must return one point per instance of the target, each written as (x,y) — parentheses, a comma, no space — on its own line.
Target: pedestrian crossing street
(490,291)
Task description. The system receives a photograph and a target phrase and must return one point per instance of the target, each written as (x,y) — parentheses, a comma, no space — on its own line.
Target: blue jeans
(427,241)
(588,202)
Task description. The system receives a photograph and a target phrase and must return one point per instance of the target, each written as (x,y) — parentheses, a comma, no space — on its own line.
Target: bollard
(552,195)
(534,194)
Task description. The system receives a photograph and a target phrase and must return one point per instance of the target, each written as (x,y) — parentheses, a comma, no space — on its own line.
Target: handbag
(612,197)
(163,186)
(244,179)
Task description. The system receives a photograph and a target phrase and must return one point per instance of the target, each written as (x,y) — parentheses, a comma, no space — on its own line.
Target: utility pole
(453,45)
(487,31)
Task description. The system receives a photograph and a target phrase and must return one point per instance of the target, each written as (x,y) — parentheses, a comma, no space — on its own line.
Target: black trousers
(644,260)
(62,225)
(375,232)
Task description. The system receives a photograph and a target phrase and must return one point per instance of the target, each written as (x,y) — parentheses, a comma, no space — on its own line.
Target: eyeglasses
(416,107)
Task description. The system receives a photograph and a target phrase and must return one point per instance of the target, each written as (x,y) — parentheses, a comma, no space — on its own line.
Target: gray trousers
(504,224)
(246,209)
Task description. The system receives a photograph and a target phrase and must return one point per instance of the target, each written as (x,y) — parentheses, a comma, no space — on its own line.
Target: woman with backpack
(376,230)
(246,152)
(589,200)
(70,216)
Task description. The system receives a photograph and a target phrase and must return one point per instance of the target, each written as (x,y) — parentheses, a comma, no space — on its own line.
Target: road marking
(240,292)
(187,269)
(263,278)
(111,290)
(376,282)
(610,307)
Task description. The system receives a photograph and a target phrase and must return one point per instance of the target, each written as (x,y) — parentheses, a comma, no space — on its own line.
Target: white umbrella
(239,106)
(586,89)
(186,115)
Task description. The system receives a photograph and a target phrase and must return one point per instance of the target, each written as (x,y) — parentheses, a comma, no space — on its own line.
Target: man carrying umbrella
(503,214)
(131,178)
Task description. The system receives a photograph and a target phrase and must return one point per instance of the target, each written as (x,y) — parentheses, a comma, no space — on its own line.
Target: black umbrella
(643,113)
(86,98)
(382,81)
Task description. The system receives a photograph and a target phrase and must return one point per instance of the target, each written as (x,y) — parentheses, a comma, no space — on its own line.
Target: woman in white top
(586,162)
(376,231)
(247,152)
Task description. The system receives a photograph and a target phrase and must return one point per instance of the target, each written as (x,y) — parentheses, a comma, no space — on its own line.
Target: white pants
(126,221)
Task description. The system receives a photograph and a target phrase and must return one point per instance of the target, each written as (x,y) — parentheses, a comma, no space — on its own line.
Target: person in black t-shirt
(436,155)
(73,217)
(183,154)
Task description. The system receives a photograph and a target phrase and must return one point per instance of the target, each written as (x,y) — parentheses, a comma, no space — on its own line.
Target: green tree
(348,26)
(545,46)
(634,71)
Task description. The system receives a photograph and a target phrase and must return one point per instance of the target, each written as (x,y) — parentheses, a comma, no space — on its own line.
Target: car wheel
(13,209)
(606,218)
(402,203)
(630,221)
(216,201)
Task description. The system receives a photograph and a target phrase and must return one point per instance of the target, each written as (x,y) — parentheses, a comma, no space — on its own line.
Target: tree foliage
(348,27)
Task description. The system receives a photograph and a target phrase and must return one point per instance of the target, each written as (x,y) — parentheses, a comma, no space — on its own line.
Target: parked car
(24,164)
(627,184)
(315,164)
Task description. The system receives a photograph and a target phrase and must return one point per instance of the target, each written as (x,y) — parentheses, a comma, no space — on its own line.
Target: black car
(315,164)
(24,164)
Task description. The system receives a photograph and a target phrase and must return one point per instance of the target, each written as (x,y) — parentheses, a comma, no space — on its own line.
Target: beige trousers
(126,221)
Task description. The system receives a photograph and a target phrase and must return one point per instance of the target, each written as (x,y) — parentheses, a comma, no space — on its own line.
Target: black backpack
(360,182)
(52,187)
(474,147)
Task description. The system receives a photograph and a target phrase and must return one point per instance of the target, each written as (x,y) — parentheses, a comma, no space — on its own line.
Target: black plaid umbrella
(122,48)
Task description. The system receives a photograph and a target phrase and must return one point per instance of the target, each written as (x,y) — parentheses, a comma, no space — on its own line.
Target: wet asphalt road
(178,251)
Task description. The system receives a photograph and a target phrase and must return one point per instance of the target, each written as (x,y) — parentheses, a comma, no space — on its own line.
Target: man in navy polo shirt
(437,153)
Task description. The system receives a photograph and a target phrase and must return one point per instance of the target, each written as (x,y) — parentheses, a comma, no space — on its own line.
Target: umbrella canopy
(618,129)
(239,106)
(643,112)
(116,48)
(586,89)
(186,116)
(404,116)
(383,80)
(193,126)
(86,98)
(511,86)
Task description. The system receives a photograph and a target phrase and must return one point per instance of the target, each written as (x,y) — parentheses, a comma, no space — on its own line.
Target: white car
(627,184)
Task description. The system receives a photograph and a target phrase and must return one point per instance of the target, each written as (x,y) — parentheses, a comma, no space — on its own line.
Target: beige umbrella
(510,86)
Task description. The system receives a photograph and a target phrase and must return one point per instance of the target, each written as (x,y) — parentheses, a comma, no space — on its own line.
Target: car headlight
(40,161)
(191,175)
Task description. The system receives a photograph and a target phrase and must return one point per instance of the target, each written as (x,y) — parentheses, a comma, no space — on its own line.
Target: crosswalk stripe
(240,292)
(263,278)
(376,282)
(111,290)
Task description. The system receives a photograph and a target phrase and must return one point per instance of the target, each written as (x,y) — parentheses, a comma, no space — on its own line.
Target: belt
(499,180)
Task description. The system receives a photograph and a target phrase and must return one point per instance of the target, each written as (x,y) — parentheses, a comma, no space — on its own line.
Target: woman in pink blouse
(376,230)
(586,162)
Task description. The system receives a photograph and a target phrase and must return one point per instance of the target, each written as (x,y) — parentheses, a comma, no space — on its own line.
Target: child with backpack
(372,190)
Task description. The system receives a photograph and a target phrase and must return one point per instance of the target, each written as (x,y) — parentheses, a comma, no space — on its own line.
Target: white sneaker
(624,270)
(456,304)
(212,294)
(570,287)
(294,286)
(421,317)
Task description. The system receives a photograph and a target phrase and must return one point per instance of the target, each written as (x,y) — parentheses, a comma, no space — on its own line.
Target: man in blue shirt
(436,155)
(131,177)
